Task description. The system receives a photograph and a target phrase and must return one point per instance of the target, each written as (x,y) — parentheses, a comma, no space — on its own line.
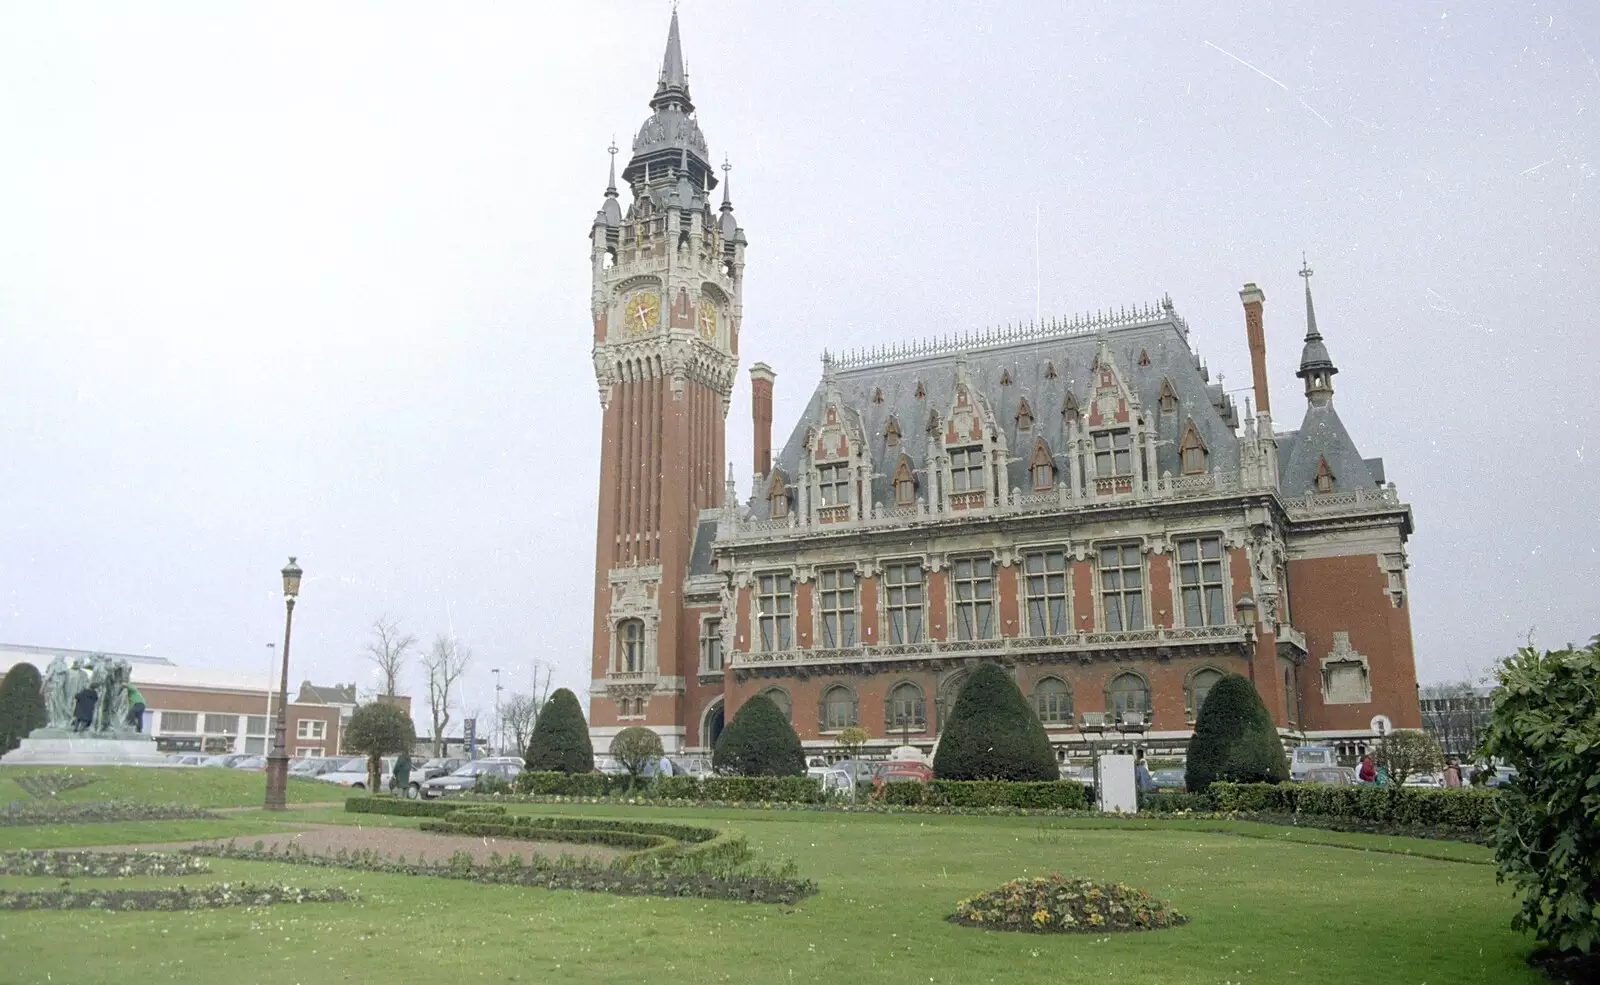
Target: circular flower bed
(1057,905)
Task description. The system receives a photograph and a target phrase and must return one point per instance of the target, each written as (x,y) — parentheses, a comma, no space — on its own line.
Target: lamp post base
(277,782)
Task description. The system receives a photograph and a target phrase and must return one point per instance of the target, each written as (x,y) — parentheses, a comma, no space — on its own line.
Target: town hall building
(1074,499)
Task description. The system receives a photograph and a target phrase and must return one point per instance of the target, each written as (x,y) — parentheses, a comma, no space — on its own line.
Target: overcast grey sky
(313,278)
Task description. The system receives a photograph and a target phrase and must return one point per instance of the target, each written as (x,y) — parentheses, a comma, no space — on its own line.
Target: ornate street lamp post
(278,760)
(1245,608)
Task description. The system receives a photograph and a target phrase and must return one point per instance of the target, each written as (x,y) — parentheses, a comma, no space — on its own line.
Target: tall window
(630,646)
(1127,695)
(779,697)
(778,501)
(974,584)
(1042,467)
(1113,453)
(834,481)
(774,611)
(1046,585)
(1053,700)
(1200,581)
(710,645)
(1122,586)
(1200,684)
(180,721)
(966,469)
(838,708)
(902,601)
(837,599)
(1193,453)
(906,707)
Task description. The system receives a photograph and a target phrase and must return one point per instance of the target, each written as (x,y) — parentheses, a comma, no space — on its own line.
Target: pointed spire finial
(672,73)
(1311,312)
(611,180)
(727,204)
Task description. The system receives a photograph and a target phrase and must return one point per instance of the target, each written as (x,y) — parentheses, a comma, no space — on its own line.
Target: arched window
(630,646)
(779,697)
(1126,695)
(838,708)
(905,484)
(1053,700)
(1042,468)
(1200,684)
(1192,451)
(906,708)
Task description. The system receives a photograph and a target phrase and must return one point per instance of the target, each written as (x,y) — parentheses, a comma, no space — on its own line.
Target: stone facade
(1074,499)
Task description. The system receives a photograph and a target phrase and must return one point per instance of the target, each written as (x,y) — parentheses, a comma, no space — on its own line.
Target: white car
(353,773)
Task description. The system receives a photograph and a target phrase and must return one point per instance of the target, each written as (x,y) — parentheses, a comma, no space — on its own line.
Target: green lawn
(196,787)
(1264,907)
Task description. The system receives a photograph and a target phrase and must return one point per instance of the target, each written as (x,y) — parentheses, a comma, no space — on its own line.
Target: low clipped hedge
(1462,809)
(23,814)
(400,807)
(1060,795)
(526,832)
(199,898)
(784,789)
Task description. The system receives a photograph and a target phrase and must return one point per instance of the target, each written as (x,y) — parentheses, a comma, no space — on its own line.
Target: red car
(917,772)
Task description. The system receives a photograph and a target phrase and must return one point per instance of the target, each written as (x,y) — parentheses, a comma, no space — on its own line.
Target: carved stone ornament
(1346,674)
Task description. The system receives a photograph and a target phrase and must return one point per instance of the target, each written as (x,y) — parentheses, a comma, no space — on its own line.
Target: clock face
(708,321)
(639,312)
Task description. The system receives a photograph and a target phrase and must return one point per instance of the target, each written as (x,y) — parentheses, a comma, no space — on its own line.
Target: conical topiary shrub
(1234,739)
(759,742)
(560,741)
(993,733)
(21,705)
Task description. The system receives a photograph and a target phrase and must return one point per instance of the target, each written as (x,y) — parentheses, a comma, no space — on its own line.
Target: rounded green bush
(21,705)
(560,741)
(759,742)
(1234,739)
(993,733)
(1058,905)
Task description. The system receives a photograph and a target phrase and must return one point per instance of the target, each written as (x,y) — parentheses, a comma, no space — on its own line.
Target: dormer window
(1024,416)
(834,483)
(1324,476)
(1113,453)
(966,469)
(905,484)
(778,500)
(1042,468)
(1192,451)
(1168,399)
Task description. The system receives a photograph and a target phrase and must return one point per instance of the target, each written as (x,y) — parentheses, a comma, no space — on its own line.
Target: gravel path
(318,839)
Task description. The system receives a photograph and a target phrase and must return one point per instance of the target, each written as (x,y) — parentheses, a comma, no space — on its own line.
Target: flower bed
(98,812)
(1057,905)
(99,865)
(775,886)
(49,784)
(199,898)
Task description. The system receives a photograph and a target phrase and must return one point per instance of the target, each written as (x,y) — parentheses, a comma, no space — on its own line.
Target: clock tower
(667,275)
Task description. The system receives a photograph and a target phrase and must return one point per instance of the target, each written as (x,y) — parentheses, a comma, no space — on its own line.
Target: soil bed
(325,839)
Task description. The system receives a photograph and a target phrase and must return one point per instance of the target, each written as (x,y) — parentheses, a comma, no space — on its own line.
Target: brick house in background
(1074,499)
(201,710)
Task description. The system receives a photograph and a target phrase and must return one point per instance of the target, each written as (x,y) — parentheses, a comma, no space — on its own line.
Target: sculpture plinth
(89,718)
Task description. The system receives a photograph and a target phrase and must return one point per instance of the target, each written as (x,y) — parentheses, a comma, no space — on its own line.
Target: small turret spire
(673,75)
(611,179)
(1316,366)
(727,204)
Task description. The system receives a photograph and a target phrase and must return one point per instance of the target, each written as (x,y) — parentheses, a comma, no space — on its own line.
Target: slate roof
(1026,364)
(700,554)
(1323,436)
(337,694)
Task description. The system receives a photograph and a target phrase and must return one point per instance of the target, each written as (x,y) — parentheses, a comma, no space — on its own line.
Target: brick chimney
(1253,299)
(761,377)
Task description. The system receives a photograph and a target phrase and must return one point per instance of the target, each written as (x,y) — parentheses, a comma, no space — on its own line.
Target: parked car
(1082,774)
(896,771)
(353,773)
(836,780)
(316,766)
(816,766)
(251,763)
(225,760)
(609,766)
(865,769)
(1169,779)
(1424,780)
(691,765)
(1334,776)
(465,778)
(437,766)
(1303,758)
(187,759)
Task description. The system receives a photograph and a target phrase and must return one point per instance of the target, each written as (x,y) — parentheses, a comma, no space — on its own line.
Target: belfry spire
(673,83)
(1316,366)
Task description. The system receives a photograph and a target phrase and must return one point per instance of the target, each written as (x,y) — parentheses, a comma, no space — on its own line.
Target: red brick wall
(1348,594)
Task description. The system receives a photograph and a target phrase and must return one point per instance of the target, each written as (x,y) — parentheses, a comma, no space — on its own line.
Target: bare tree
(387,649)
(520,712)
(1456,713)
(445,663)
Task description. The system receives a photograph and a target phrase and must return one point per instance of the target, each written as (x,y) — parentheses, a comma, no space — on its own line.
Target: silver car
(466,777)
(353,773)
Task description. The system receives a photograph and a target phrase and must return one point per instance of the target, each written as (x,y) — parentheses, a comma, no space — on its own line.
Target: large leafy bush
(993,733)
(1546,726)
(379,729)
(759,742)
(560,741)
(1234,739)
(636,747)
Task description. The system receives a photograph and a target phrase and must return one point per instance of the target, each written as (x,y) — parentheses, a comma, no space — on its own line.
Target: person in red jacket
(1366,772)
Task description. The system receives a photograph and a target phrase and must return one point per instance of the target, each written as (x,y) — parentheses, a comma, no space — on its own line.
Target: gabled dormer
(972,446)
(834,460)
